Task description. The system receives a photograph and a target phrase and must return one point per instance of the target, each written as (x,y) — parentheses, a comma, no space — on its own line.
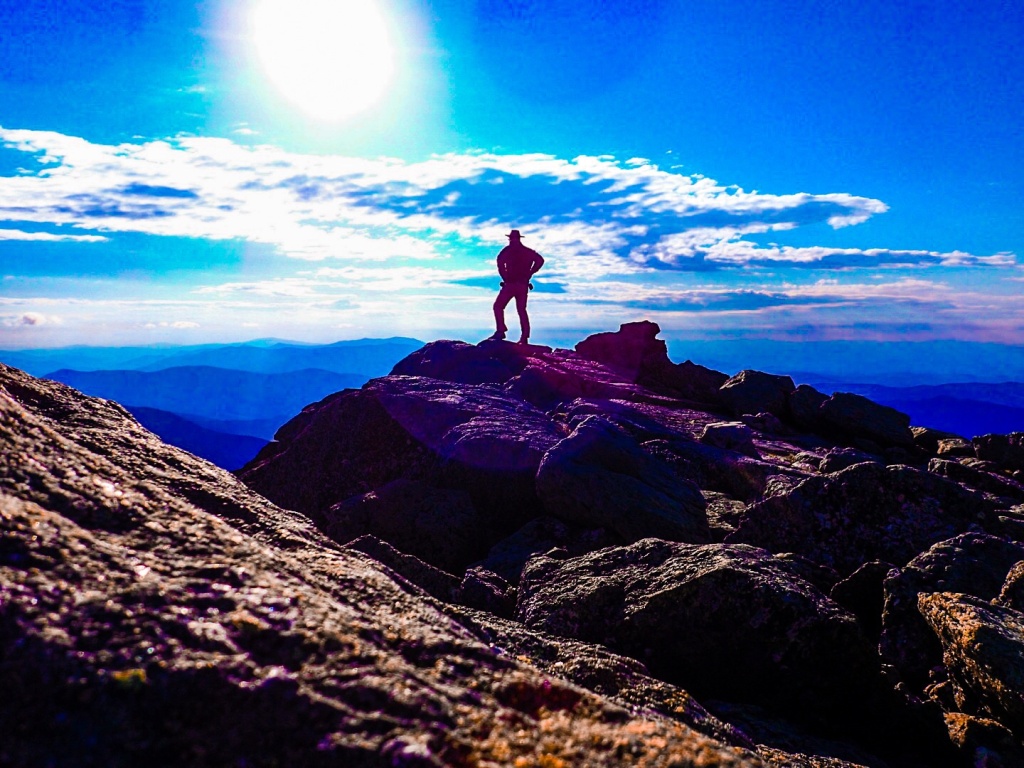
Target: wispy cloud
(597,216)
(49,237)
(29,320)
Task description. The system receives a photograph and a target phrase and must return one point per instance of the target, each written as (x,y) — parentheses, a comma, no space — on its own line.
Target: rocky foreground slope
(504,555)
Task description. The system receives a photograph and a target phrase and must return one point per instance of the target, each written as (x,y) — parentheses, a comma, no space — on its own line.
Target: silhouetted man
(516,265)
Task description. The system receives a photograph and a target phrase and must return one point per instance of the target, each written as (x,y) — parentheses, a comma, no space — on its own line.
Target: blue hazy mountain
(965,408)
(894,364)
(213,393)
(369,357)
(225,450)
(263,428)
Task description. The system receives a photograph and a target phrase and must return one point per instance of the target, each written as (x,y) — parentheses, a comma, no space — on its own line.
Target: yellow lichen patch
(129,679)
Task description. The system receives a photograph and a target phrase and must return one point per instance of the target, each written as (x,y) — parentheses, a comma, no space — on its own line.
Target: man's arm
(503,263)
(538,262)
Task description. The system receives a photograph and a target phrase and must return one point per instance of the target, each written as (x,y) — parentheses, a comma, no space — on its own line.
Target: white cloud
(29,320)
(176,324)
(49,237)
(596,216)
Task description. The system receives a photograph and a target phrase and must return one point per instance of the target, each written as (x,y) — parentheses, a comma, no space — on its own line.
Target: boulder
(463,436)
(730,435)
(408,568)
(688,380)
(731,620)
(983,742)
(857,416)
(716,469)
(439,526)
(755,392)
(508,556)
(463,363)
(559,379)
(804,406)
(839,459)
(599,477)
(972,563)
(155,611)
(1012,593)
(632,350)
(863,513)
(928,439)
(974,477)
(862,593)
(1005,450)
(766,423)
(983,653)
(487,591)
(953,447)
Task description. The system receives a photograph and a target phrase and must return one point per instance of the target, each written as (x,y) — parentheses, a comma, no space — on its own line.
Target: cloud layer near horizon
(597,215)
(359,239)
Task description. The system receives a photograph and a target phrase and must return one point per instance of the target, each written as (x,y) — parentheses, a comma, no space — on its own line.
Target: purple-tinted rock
(971,563)
(755,391)
(440,526)
(804,406)
(560,378)
(859,417)
(463,363)
(862,593)
(445,434)
(508,556)
(983,653)
(839,459)
(487,591)
(978,478)
(599,477)
(1005,450)
(730,435)
(631,350)
(727,618)
(433,581)
(866,512)
(154,611)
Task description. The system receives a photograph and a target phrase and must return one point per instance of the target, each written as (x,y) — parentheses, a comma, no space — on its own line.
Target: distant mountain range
(366,357)
(967,408)
(222,402)
(213,393)
(225,450)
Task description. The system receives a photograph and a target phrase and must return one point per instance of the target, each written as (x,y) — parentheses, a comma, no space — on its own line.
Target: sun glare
(331,58)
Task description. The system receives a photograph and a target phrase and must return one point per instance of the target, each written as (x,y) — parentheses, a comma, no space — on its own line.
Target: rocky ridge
(507,555)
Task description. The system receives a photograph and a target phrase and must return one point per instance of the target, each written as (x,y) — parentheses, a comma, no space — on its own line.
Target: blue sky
(219,171)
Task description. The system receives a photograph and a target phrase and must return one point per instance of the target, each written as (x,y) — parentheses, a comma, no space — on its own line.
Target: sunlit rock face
(513,555)
(153,610)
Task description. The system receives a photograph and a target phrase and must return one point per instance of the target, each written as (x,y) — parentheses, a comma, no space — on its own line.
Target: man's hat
(514,234)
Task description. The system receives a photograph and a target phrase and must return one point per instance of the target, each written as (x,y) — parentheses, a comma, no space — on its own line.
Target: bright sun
(332,58)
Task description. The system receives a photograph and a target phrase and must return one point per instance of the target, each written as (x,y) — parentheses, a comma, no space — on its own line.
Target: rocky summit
(508,555)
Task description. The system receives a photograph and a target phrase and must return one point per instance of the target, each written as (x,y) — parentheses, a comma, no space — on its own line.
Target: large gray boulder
(983,654)
(445,434)
(439,526)
(755,392)
(599,477)
(972,563)
(859,417)
(863,513)
(723,618)
(1005,450)
(155,611)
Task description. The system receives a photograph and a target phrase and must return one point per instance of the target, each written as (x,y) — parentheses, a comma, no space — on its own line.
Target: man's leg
(504,297)
(522,293)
